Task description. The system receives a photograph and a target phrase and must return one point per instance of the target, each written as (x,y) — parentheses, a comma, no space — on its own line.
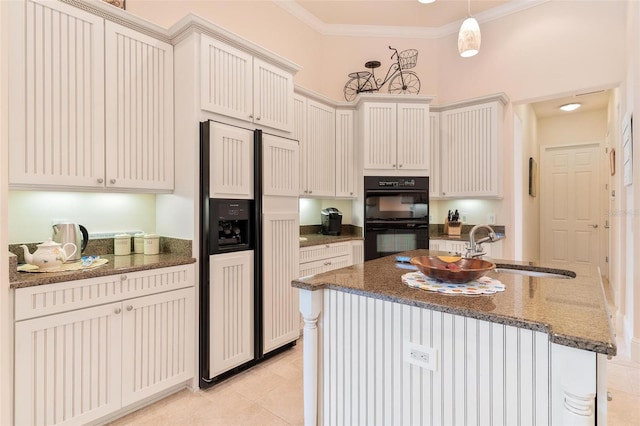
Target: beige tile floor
(271,394)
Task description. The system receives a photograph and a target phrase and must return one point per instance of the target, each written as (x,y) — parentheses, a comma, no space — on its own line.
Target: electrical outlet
(491,218)
(463,217)
(430,219)
(421,356)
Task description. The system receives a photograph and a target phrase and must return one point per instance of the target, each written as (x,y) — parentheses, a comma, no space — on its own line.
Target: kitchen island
(379,352)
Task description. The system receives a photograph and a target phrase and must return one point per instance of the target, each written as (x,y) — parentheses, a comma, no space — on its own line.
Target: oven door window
(397,206)
(379,243)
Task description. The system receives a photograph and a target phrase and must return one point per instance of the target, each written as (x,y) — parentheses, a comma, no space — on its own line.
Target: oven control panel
(394,182)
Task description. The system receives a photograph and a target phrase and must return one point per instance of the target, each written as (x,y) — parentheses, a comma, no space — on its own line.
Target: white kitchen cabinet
(315,129)
(139,110)
(231,159)
(471,150)
(231,302)
(281,313)
(92,102)
(395,138)
(239,85)
(434,155)
(280,163)
(346,162)
(325,257)
(357,251)
(86,349)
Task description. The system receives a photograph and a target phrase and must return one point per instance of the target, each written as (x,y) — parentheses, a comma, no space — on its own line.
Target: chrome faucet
(475,247)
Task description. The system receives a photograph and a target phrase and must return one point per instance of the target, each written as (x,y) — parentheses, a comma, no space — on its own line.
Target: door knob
(595,225)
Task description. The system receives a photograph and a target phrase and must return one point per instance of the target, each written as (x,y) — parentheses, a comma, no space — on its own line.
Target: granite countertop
(116,265)
(573,312)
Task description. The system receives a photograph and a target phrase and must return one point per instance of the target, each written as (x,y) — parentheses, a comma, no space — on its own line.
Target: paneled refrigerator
(249,248)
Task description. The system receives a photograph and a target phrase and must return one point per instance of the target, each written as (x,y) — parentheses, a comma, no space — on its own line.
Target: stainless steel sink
(537,272)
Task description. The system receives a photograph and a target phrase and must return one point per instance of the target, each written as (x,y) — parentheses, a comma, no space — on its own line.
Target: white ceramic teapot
(49,254)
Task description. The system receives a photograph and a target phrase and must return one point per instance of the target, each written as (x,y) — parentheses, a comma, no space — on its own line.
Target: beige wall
(554,48)
(572,128)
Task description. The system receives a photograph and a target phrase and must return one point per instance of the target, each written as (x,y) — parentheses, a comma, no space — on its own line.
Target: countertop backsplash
(103,246)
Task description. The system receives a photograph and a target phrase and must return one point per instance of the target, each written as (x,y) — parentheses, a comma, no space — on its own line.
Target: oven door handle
(378,229)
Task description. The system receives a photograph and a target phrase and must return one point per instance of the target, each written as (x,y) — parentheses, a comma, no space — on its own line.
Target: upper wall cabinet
(69,68)
(395,136)
(238,85)
(471,149)
(314,128)
(139,110)
(346,162)
(434,157)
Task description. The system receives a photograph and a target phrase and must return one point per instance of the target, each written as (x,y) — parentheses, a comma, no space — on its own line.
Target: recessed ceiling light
(570,107)
(426,1)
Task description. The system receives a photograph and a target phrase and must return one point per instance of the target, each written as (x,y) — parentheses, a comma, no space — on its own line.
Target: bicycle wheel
(405,82)
(352,88)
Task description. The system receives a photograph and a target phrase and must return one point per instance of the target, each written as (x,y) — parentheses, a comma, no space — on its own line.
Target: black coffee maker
(331,220)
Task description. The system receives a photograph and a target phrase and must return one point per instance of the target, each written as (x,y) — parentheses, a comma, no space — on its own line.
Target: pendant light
(469,35)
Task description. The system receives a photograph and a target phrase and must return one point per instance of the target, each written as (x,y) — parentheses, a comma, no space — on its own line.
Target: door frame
(603,248)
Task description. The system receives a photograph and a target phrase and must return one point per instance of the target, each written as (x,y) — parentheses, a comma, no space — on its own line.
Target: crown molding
(314,22)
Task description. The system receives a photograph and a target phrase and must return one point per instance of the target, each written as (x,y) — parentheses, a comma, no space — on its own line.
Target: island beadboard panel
(485,373)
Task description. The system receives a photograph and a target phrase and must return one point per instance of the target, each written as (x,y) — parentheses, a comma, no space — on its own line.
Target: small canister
(122,244)
(151,244)
(138,243)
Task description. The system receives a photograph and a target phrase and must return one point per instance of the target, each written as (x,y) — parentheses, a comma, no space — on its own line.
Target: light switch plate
(491,218)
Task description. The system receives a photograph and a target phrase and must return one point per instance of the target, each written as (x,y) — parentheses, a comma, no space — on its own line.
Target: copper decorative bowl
(452,269)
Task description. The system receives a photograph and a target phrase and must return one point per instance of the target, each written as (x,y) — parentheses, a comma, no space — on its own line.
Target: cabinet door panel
(139,110)
(346,164)
(299,133)
(470,157)
(321,162)
(226,79)
(434,156)
(281,313)
(380,136)
(231,302)
(231,160)
(413,137)
(68,366)
(58,137)
(281,160)
(157,343)
(272,96)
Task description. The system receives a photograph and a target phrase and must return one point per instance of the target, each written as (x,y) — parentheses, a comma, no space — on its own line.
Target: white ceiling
(409,17)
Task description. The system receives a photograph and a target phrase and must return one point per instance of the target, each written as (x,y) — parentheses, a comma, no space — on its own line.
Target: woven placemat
(72,266)
(483,285)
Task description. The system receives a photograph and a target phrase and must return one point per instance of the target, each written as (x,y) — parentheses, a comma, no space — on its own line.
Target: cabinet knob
(258,118)
(129,308)
(400,165)
(327,246)
(100,180)
(118,310)
(351,193)
(305,191)
(310,192)
(251,116)
(123,277)
(112,181)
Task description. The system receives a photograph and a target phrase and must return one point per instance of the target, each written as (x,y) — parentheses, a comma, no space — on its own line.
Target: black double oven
(396,211)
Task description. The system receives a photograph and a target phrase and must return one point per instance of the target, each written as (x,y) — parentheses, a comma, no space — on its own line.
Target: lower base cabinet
(324,258)
(78,366)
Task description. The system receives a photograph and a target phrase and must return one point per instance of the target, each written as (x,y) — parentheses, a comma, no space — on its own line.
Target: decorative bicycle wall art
(400,80)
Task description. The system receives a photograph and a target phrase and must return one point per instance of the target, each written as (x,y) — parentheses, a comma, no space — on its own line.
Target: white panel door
(226,79)
(68,366)
(299,133)
(231,302)
(230,161)
(139,110)
(471,159)
(157,343)
(280,163)
(281,313)
(57,135)
(346,163)
(413,137)
(571,195)
(321,142)
(379,135)
(272,96)
(434,155)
